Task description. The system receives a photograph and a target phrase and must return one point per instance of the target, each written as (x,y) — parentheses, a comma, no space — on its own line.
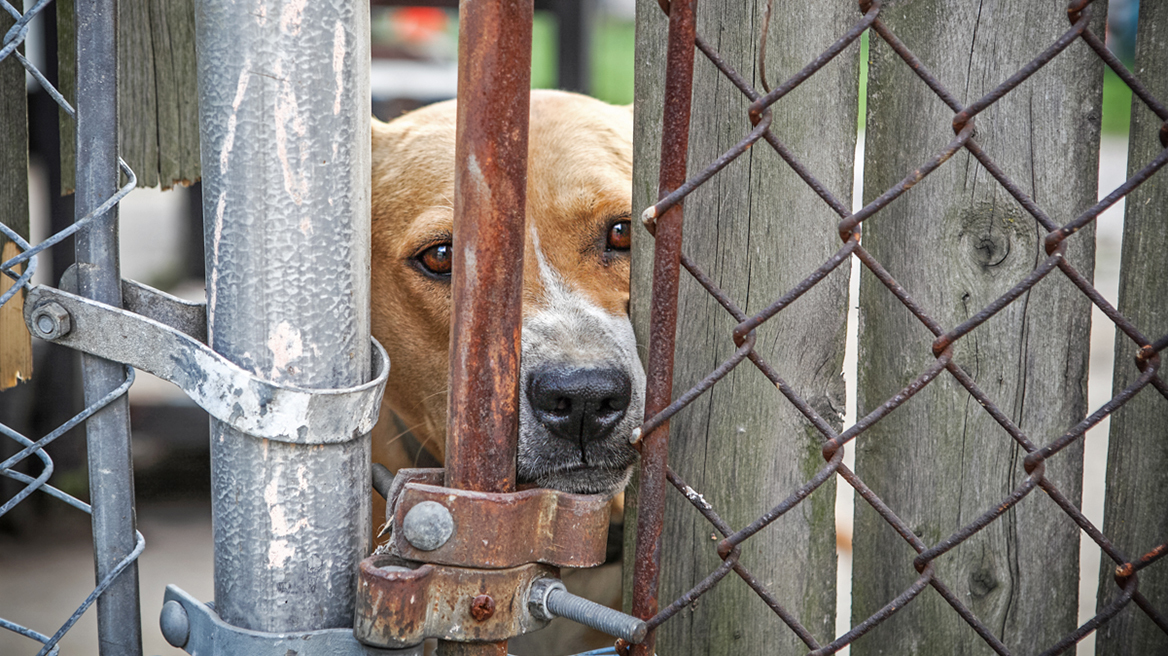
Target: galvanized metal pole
(663,320)
(284,119)
(111,475)
(490,191)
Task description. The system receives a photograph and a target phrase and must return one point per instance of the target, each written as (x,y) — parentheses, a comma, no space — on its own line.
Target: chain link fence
(20,269)
(946,362)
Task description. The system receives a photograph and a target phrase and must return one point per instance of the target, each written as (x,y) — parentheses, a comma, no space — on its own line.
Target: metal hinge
(195,628)
(165,336)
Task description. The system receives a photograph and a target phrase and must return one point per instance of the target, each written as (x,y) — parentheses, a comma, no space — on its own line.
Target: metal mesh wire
(30,448)
(743,335)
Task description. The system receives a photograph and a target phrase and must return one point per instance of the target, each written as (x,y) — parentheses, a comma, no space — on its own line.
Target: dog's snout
(579,405)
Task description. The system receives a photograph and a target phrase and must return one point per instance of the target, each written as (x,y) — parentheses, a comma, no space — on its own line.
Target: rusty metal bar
(494,75)
(663,322)
(490,185)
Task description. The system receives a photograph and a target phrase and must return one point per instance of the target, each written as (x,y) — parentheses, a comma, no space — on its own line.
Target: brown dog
(581,383)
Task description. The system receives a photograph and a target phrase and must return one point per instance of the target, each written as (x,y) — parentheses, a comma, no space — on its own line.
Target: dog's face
(581,382)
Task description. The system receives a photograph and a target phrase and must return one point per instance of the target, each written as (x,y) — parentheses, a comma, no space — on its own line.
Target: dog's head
(581,382)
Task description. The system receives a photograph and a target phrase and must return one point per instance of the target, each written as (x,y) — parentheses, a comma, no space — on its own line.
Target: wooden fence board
(957,241)
(157,91)
(1135,515)
(757,230)
(15,342)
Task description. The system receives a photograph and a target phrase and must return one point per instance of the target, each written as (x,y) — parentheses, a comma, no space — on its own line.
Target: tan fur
(579,173)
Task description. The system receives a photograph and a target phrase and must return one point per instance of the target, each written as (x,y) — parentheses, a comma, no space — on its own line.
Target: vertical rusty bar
(490,185)
(663,321)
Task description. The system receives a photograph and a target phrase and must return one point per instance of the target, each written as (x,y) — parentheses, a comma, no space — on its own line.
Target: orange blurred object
(418,24)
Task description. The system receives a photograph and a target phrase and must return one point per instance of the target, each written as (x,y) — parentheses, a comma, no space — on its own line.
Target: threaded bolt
(548,598)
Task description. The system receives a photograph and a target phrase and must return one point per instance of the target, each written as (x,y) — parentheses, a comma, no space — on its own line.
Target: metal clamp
(448,526)
(194,627)
(175,352)
(400,604)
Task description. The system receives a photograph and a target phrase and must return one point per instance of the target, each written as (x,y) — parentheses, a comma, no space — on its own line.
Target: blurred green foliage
(1116,104)
(612,57)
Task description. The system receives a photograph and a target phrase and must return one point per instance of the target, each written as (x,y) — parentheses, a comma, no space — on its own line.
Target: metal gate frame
(293,393)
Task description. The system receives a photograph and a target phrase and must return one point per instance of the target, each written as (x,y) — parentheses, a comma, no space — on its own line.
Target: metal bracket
(401,604)
(194,627)
(164,339)
(495,530)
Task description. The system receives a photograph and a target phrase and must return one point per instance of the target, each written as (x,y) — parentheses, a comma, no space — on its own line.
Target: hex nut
(51,321)
(428,525)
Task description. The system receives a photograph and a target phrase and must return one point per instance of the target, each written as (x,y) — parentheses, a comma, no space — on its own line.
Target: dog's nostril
(580,405)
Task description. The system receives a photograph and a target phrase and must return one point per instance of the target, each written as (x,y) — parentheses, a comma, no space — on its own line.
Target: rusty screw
(482,607)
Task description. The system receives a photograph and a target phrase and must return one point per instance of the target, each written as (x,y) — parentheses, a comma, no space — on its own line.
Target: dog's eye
(620,236)
(436,260)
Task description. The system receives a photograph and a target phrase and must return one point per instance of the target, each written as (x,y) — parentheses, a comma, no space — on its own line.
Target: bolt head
(428,525)
(175,625)
(482,608)
(51,321)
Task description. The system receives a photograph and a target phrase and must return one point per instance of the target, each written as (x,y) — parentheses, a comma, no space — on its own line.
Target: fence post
(285,126)
(111,479)
(759,230)
(1134,516)
(956,241)
(490,188)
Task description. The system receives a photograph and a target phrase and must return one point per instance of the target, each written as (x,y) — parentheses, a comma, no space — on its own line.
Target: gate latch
(476,566)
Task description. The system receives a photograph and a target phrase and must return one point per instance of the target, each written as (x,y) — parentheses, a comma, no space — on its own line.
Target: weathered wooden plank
(757,230)
(138,106)
(15,342)
(157,91)
(67,85)
(1137,462)
(179,27)
(957,241)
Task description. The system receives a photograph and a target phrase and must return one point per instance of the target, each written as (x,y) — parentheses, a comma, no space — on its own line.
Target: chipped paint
(292,16)
(221,205)
(286,345)
(288,116)
(279,552)
(339,65)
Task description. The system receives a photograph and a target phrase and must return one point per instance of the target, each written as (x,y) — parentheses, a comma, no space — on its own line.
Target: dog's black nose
(579,405)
